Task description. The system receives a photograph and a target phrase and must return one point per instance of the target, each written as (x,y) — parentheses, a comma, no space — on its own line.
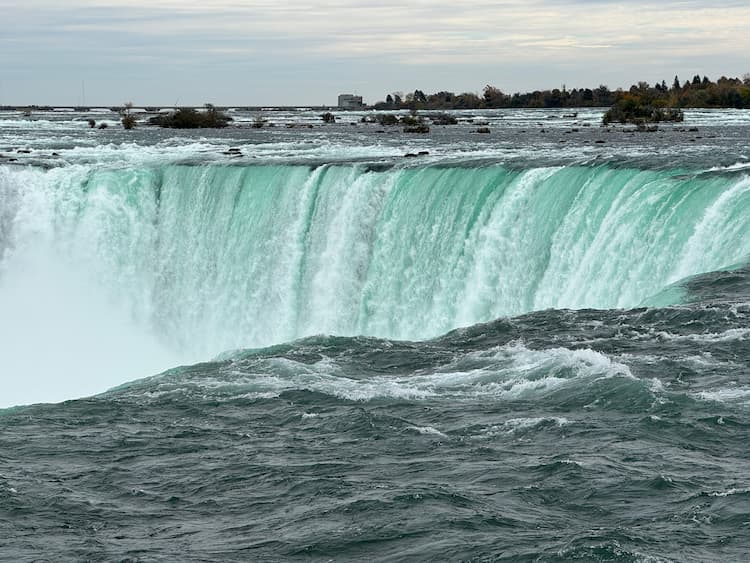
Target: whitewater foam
(506,373)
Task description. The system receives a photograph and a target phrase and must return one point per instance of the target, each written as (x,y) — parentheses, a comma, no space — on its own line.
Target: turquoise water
(218,257)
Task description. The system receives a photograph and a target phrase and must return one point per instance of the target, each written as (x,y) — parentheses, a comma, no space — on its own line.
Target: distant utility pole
(83,93)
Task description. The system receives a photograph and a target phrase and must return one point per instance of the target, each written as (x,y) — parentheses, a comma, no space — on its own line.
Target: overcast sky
(272,52)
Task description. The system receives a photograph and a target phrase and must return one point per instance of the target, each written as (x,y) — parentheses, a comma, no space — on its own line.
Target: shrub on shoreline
(128,119)
(188,118)
(632,109)
(386,119)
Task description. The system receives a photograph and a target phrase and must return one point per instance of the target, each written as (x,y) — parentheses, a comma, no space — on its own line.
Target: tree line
(696,93)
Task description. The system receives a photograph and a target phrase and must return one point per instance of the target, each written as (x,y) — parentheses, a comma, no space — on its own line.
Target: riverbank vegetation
(188,118)
(696,93)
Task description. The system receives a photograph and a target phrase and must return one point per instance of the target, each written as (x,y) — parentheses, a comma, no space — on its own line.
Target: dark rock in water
(103,126)
(23,151)
(423,153)
(55,154)
(443,119)
(483,130)
(419,128)
(410,155)
(379,166)
(599,141)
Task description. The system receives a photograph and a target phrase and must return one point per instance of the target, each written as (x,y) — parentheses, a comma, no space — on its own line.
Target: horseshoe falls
(190,261)
(351,343)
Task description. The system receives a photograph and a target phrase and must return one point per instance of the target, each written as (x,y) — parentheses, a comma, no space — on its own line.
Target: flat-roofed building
(350,101)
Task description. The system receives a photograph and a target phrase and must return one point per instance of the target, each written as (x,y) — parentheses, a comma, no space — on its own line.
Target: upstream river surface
(344,342)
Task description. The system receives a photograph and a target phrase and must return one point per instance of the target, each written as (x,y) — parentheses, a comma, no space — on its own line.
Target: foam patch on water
(736,167)
(428,431)
(730,492)
(515,425)
(727,395)
(730,335)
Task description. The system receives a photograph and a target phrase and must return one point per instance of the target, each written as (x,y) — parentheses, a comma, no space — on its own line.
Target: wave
(506,373)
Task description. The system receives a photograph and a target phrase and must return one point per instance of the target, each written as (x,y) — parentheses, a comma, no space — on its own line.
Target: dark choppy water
(558,435)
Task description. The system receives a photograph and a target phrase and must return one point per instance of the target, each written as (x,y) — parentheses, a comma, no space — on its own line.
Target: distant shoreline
(698,93)
(156,109)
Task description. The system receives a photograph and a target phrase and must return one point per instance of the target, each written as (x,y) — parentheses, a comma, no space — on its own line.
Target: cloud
(412,39)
